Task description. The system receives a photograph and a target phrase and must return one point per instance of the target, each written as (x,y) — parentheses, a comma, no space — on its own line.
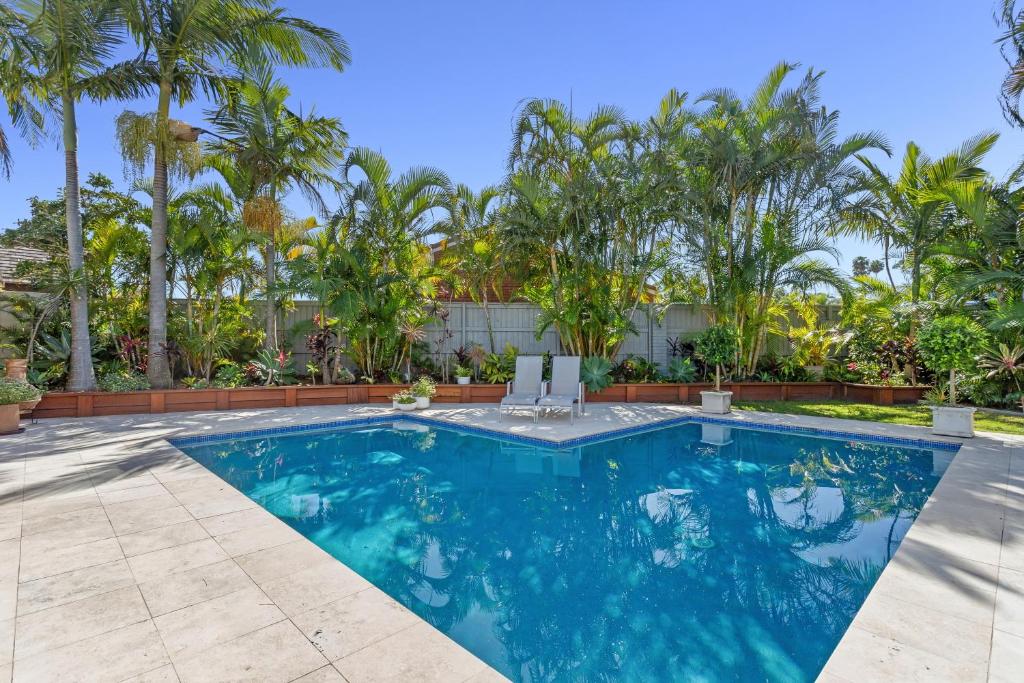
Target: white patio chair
(524,390)
(565,390)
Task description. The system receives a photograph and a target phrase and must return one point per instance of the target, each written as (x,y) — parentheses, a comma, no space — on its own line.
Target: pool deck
(121,558)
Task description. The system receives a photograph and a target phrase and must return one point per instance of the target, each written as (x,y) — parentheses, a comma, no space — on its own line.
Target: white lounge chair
(565,390)
(524,390)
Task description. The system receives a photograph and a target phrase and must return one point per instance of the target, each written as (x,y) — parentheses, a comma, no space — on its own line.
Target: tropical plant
(499,368)
(907,212)
(635,370)
(271,368)
(951,344)
(1006,364)
(472,252)
(596,373)
(718,346)
(267,149)
(229,375)
(185,46)
(766,179)
(591,213)
(74,40)
(463,371)
(405,397)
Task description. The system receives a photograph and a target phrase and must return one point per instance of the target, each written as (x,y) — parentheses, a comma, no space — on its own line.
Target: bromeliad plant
(951,344)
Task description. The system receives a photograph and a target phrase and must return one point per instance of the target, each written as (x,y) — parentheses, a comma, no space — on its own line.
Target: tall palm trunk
(158,370)
(270,325)
(81,376)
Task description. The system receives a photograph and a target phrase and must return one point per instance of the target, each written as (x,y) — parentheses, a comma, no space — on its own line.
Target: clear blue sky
(438,83)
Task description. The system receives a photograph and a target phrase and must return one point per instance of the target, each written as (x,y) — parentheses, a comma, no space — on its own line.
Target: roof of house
(10,257)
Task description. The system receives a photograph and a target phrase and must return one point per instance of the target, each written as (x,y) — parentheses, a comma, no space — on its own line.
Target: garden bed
(96,403)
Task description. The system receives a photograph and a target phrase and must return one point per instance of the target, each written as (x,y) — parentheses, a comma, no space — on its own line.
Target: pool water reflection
(692,552)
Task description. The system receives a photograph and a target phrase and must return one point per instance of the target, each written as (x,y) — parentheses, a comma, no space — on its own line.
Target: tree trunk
(270,325)
(81,376)
(158,370)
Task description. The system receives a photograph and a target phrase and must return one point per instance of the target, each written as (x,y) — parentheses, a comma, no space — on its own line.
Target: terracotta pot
(16,368)
(28,406)
(10,418)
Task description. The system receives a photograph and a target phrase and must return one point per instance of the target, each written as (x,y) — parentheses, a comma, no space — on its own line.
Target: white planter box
(422,402)
(716,402)
(953,421)
(715,435)
(462,380)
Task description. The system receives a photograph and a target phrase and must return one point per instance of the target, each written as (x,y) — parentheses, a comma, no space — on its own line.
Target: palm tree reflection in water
(655,556)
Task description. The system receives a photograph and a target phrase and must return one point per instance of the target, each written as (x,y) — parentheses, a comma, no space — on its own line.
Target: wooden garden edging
(95,403)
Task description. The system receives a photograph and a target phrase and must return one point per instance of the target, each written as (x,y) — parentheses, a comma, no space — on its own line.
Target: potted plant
(404,401)
(717,346)
(951,344)
(462,374)
(12,393)
(423,390)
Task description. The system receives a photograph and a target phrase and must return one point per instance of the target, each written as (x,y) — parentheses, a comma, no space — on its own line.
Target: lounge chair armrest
(508,388)
(544,387)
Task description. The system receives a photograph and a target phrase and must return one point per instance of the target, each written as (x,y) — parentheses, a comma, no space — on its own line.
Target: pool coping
(955,548)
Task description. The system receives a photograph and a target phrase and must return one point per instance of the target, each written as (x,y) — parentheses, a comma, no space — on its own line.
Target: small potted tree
(12,393)
(423,390)
(717,346)
(951,344)
(404,401)
(462,374)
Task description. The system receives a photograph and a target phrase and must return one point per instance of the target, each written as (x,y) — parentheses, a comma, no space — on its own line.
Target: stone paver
(123,559)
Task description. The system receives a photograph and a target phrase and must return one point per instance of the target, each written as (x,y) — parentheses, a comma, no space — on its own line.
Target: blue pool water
(690,552)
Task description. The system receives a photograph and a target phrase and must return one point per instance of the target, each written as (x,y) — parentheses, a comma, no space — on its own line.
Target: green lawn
(908,415)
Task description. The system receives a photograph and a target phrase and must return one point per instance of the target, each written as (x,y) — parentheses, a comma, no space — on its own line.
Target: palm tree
(271,149)
(1012,48)
(906,212)
(473,252)
(187,44)
(75,39)
(18,53)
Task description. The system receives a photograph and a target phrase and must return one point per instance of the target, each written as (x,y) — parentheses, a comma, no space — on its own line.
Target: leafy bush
(463,371)
(500,368)
(195,383)
(345,376)
(123,381)
(595,372)
(229,375)
(717,346)
(681,370)
(635,370)
(16,391)
(424,387)
(952,343)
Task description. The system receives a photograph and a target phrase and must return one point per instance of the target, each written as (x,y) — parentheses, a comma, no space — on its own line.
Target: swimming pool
(691,551)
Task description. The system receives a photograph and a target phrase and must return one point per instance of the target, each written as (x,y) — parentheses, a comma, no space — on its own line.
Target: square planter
(716,402)
(953,421)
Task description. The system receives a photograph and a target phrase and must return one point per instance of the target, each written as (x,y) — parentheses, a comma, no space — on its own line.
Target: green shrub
(123,381)
(229,376)
(500,368)
(595,372)
(717,346)
(424,387)
(463,371)
(635,370)
(949,344)
(16,391)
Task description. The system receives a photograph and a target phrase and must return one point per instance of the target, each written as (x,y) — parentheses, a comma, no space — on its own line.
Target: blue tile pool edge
(567,443)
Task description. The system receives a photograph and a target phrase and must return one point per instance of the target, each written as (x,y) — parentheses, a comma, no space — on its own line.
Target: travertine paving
(123,559)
